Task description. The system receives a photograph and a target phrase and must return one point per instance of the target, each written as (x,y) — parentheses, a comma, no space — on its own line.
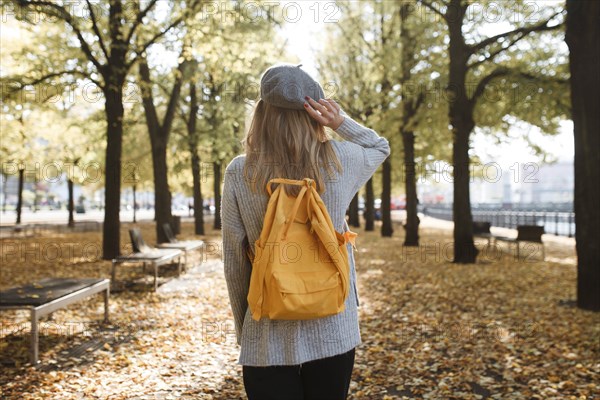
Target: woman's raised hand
(325,111)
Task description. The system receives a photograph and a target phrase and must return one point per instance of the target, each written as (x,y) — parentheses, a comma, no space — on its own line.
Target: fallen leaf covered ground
(499,329)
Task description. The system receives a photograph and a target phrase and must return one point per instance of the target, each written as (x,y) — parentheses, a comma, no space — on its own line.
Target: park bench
(482,229)
(525,233)
(18,230)
(48,295)
(185,245)
(147,256)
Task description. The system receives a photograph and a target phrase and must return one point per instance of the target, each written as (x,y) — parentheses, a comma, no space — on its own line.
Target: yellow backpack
(300,267)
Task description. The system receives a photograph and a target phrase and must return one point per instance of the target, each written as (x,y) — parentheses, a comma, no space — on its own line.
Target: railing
(25,230)
(559,223)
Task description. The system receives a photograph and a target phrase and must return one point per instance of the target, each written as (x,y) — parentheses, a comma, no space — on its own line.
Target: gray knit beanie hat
(286,85)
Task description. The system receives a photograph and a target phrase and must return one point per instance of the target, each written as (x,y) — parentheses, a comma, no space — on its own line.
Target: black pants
(326,378)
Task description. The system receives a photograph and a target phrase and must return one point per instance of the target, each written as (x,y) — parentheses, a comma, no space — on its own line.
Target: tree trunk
(410,186)
(5,178)
(20,195)
(354,212)
(387,229)
(198,200)
(464,245)
(35,197)
(462,123)
(111,234)
(114,78)
(410,107)
(196,166)
(217,190)
(134,205)
(71,205)
(159,139)
(162,194)
(583,38)
(369,207)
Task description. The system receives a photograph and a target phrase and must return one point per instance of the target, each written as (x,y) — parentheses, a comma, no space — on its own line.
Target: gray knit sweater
(277,342)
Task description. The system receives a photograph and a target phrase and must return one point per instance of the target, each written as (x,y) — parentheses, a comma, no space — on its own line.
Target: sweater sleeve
(237,266)
(369,152)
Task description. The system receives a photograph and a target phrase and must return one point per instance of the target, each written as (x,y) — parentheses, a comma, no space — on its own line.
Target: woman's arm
(237,266)
(370,151)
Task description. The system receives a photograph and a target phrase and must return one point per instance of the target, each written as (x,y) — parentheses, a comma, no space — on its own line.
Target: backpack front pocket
(305,295)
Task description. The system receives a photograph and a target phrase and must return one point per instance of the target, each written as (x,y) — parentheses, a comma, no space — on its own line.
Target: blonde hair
(286,143)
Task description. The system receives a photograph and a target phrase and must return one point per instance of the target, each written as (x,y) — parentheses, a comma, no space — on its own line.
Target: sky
(305,34)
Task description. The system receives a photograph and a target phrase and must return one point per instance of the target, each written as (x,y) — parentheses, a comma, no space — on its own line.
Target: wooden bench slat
(44,291)
(53,294)
(150,255)
(186,245)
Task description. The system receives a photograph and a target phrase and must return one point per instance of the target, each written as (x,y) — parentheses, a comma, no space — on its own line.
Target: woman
(294,359)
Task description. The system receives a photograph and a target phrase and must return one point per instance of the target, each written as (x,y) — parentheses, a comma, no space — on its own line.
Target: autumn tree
(231,56)
(475,64)
(216,53)
(352,66)
(76,154)
(583,38)
(20,146)
(412,100)
(195,160)
(160,131)
(107,47)
(24,113)
(384,57)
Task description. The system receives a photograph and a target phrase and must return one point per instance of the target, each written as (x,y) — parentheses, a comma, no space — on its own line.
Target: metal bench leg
(106,294)
(155,276)
(33,351)
(543,253)
(113,273)
(518,251)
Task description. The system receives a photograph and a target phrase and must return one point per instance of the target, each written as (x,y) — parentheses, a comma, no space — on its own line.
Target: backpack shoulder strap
(305,181)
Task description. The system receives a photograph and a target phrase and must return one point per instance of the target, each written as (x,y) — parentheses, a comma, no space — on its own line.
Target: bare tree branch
(523,31)
(499,50)
(436,10)
(542,79)
(174,97)
(503,71)
(419,101)
(53,9)
(361,34)
(34,82)
(139,19)
(96,29)
(482,84)
(38,81)
(140,51)
(147,97)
